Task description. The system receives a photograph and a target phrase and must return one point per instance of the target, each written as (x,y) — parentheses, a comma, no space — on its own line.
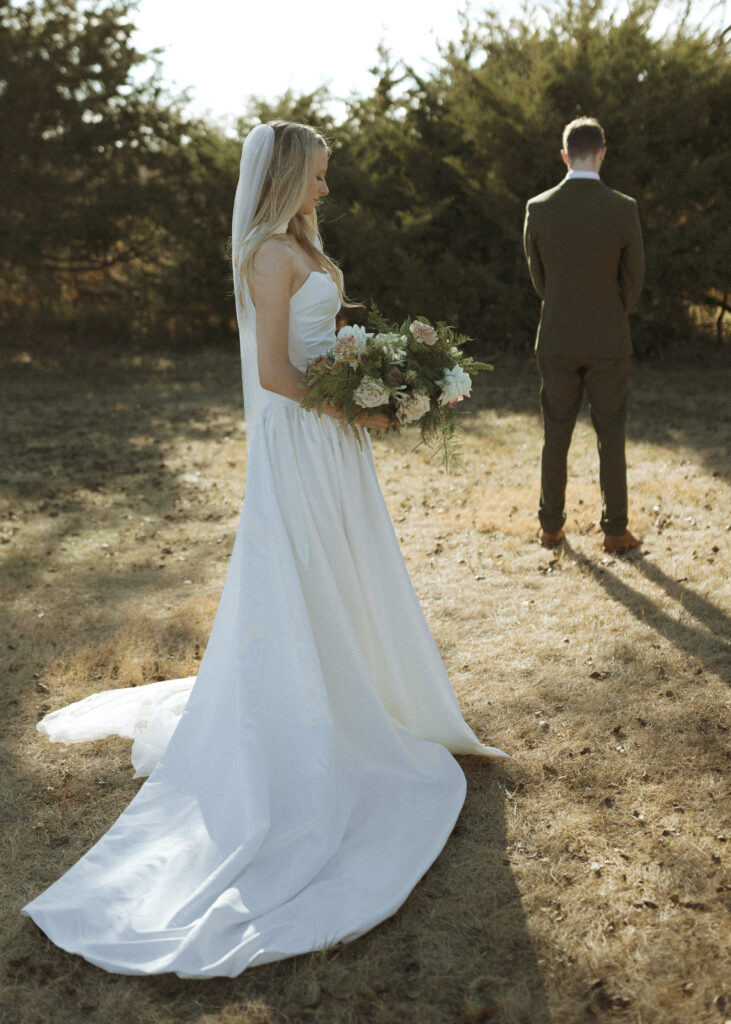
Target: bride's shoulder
(274,257)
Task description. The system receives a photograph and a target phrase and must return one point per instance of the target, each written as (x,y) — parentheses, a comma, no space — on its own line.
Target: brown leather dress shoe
(621,542)
(551,540)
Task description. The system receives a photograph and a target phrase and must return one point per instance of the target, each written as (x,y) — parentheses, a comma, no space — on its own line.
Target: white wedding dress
(309,783)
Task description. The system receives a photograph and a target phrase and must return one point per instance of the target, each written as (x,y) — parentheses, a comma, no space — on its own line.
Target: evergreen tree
(110,193)
(83,144)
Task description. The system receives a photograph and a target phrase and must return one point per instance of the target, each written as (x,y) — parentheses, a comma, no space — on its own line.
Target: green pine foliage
(116,206)
(83,162)
(431,175)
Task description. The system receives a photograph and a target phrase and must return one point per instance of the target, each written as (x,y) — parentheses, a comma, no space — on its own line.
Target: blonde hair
(282,194)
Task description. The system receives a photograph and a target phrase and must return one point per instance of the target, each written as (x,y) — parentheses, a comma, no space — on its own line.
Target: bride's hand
(375,420)
(371,418)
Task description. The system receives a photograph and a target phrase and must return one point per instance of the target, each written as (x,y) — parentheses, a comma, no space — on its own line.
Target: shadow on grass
(459,945)
(83,415)
(107,422)
(87,452)
(459,948)
(461,941)
(710,645)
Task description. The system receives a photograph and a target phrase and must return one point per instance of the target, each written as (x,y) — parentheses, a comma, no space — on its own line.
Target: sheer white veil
(255,159)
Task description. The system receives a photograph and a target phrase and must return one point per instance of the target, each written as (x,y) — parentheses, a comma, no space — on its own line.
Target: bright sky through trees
(230,50)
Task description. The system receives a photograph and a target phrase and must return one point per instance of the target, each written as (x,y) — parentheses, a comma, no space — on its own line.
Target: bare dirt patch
(587,879)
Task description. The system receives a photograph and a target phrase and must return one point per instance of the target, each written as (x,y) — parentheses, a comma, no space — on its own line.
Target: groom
(583,244)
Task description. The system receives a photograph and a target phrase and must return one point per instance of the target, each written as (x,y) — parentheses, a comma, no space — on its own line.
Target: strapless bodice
(312,312)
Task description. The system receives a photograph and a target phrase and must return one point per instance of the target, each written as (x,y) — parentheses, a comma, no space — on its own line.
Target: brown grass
(587,879)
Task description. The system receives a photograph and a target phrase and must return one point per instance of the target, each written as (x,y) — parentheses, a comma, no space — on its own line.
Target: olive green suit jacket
(583,243)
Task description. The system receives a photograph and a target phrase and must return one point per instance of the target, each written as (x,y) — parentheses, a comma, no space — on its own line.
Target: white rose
(413,407)
(455,383)
(370,393)
(356,330)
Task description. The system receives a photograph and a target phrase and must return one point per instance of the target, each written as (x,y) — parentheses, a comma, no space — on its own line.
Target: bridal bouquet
(417,372)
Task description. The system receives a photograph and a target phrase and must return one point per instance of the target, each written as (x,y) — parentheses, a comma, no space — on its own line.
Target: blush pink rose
(370,393)
(349,343)
(424,332)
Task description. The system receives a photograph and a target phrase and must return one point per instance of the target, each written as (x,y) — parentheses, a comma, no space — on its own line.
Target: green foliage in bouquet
(416,372)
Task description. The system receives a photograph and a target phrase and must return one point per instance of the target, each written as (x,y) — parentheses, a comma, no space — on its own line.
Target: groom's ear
(565,157)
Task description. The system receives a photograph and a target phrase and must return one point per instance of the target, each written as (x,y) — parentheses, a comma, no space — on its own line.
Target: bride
(303,785)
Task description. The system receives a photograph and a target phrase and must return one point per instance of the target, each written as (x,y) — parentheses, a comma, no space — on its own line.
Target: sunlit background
(227,51)
(126,120)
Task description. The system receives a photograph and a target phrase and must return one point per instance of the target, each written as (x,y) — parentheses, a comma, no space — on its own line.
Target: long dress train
(304,784)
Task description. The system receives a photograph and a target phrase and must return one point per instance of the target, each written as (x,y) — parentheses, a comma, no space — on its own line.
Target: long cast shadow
(699,607)
(468,900)
(710,644)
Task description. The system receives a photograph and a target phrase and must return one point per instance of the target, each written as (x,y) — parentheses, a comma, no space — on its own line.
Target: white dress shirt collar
(583,174)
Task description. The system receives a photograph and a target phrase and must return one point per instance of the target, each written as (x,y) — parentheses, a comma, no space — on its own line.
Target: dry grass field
(588,879)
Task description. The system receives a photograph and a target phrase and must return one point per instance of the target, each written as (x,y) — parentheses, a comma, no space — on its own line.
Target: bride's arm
(273,284)
(271,291)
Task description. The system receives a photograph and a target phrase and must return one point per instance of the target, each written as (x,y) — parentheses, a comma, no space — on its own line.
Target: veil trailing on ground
(255,159)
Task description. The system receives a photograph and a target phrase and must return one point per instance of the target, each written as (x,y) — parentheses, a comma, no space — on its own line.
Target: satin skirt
(303,782)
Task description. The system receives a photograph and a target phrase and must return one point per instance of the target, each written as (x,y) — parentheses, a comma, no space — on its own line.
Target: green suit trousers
(563,383)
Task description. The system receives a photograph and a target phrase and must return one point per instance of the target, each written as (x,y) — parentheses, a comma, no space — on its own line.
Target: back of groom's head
(583,137)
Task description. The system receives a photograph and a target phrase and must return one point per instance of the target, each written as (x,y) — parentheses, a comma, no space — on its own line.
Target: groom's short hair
(583,137)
